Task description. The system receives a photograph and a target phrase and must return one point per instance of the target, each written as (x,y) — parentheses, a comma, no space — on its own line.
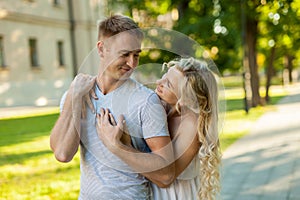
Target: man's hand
(83,87)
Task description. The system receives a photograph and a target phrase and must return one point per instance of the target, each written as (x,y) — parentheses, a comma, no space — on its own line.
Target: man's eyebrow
(127,51)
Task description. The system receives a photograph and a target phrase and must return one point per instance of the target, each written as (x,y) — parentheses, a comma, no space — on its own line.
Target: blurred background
(43,43)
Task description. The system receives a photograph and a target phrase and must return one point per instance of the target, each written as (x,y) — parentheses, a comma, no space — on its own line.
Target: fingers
(98,116)
(99,120)
(83,83)
(89,103)
(83,111)
(112,120)
(102,111)
(121,122)
(93,94)
(92,91)
(106,118)
(98,125)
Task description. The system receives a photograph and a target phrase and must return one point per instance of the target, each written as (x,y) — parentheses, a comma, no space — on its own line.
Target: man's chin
(125,76)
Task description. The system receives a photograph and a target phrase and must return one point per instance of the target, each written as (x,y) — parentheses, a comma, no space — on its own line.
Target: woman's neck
(173,111)
(181,111)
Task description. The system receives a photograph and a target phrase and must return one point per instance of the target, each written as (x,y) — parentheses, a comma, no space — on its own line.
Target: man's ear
(100,47)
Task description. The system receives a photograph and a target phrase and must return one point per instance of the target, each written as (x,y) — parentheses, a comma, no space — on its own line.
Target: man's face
(120,55)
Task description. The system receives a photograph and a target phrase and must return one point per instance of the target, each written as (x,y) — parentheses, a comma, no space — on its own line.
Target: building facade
(42,46)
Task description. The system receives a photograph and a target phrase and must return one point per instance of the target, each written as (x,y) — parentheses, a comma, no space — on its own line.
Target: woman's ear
(100,47)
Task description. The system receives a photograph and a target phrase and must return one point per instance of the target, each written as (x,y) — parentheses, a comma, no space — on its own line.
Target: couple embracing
(136,143)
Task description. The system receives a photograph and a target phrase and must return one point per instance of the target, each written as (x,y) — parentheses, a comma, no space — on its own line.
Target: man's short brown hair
(117,24)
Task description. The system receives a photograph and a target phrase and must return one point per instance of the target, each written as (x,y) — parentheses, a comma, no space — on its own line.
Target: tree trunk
(270,73)
(251,38)
(182,7)
(290,67)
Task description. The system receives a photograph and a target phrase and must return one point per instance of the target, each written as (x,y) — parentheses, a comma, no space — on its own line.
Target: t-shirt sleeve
(154,118)
(62,101)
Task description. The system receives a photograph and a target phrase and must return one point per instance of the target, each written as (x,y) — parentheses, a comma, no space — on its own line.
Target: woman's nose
(159,82)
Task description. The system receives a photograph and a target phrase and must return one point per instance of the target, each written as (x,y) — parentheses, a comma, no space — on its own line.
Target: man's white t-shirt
(104,175)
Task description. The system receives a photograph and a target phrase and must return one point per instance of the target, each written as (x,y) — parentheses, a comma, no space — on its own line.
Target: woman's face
(168,86)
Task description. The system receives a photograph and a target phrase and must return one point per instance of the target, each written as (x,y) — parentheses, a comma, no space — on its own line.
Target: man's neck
(108,84)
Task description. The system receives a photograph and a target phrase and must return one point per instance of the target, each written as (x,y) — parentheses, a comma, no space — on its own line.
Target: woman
(189,90)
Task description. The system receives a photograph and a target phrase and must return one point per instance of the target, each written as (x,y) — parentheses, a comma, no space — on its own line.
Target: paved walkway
(265,164)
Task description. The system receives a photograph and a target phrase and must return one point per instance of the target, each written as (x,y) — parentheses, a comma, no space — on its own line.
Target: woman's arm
(185,145)
(158,166)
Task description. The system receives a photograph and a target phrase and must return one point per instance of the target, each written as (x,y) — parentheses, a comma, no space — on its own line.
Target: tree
(279,35)
(232,33)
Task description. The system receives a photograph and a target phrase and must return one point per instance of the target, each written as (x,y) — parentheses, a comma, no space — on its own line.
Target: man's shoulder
(139,88)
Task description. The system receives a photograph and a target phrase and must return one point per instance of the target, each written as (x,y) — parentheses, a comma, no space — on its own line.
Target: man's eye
(125,55)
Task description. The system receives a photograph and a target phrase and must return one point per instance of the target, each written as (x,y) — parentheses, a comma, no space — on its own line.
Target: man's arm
(65,135)
(158,166)
(64,138)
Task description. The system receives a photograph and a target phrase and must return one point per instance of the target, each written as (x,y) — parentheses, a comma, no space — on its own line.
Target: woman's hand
(111,133)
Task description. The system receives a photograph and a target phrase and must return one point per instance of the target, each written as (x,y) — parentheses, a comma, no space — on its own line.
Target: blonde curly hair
(199,93)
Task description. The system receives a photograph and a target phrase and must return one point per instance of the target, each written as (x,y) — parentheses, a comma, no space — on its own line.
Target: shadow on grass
(19,158)
(14,131)
(238,103)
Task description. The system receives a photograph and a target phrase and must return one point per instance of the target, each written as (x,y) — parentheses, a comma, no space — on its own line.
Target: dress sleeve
(154,118)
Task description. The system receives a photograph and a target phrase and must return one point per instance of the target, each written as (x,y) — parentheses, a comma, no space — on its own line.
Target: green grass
(237,122)
(27,165)
(30,171)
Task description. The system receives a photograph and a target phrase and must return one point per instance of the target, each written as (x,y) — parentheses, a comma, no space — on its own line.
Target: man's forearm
(64,138)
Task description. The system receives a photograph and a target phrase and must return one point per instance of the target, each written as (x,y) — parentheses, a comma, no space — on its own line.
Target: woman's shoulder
(183,126)
(189,118)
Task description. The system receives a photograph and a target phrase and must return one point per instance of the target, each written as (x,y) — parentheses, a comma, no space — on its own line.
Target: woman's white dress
(186,185)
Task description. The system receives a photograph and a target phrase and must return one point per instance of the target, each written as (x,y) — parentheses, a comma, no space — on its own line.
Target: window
(60,53)
(56,2)
(2,60)
(33,52)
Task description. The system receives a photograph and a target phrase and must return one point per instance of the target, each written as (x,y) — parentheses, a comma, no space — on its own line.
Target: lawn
(29,170)
(237,122)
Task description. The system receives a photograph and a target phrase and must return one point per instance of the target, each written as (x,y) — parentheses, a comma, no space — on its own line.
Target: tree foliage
(266,32)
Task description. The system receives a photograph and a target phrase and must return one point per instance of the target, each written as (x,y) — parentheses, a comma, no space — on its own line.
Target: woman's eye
(168,83)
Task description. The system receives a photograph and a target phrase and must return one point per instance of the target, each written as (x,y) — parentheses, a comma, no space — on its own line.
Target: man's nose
(131,61)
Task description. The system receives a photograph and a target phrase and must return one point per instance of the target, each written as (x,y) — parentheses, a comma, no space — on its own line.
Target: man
(103,175)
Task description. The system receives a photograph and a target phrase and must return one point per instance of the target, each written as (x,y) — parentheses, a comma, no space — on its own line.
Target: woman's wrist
(116,146)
